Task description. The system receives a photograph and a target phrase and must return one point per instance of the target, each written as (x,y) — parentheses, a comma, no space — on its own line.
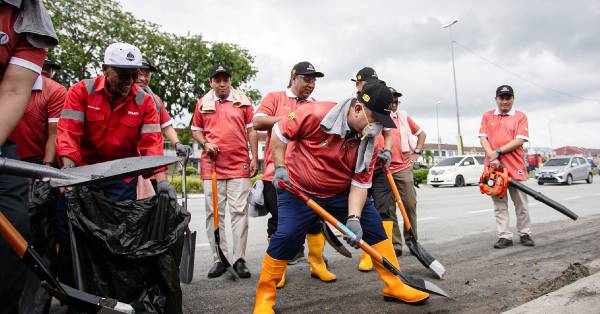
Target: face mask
(371,130)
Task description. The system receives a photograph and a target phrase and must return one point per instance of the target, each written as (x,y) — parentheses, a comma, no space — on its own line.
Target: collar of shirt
(229,97)
(38,85)
(290,94)
(510,113)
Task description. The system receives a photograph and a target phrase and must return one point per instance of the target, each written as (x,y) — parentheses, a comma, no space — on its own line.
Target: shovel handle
(14,239)
(397,198)
(215,201)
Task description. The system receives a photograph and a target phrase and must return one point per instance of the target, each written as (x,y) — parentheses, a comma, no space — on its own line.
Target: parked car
(457,171)
(564,169)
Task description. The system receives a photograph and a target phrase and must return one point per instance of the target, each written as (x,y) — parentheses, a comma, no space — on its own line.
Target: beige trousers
(233,196)
(519,199)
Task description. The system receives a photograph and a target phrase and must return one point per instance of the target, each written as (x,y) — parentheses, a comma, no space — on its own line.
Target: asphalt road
(456,225)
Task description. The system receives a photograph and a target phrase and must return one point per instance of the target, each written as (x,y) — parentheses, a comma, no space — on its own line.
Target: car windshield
(557,162)
(452,161)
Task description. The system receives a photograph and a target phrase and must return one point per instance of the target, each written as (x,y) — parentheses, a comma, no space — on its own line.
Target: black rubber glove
(183,150)
(354,225)
(281,174)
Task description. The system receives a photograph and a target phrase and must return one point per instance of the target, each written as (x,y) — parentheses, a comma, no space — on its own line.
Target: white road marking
(481,211)
(572,198)
(427,218)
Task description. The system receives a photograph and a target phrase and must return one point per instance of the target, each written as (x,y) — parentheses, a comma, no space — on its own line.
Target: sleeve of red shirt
(415,129)
(27,56)
(523,128)
(55,104)
(164,117)
(364,179)
(267,106)
(483,126)
(298,124)
(71,124)
(248,115)
(197,123)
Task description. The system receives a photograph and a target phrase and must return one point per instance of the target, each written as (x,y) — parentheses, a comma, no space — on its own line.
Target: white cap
(123,55)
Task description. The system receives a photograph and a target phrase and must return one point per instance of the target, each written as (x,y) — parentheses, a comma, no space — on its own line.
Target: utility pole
(459,147)
(437,119)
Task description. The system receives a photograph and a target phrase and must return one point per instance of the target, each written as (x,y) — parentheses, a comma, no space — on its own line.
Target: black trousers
(13,196)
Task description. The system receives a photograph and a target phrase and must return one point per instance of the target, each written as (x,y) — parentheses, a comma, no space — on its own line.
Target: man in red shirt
(274,107)
(503,132)
(332,161)
(222,125)
(22,52)
(109,117)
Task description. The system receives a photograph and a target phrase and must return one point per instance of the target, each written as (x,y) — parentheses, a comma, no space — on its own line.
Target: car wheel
(540,182)
(590,179)
(435,185)
(569,180)
(459,181)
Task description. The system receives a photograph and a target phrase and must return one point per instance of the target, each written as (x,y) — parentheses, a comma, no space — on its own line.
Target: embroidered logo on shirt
(519,171)
(92,107)
(4,39)
(133,113)
(245,167)
(292,115)
(324,144)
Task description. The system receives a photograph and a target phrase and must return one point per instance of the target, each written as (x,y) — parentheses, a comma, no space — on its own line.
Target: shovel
(186,267)
(416,249)
(215,201)
(417,283)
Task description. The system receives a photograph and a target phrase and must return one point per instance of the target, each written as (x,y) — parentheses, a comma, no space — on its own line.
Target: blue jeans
(295,218)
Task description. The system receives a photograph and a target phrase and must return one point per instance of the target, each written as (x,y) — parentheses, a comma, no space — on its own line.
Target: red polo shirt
(44,107)
(14,48)
(226,127)
(90,131)
(399,156)
(321,164)
(500,129)
(276,104)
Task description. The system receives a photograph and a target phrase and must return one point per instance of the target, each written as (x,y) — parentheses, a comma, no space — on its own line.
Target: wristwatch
(418,151)
(498,151)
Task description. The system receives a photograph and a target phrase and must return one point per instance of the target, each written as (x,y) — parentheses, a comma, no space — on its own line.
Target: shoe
(503,243)
(271,273)
(394,289)
(298,258)
(217,270)
(318,269)
(526,240)
(240,268)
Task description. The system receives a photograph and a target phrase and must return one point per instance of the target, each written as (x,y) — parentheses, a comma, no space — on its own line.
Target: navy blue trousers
(295,217)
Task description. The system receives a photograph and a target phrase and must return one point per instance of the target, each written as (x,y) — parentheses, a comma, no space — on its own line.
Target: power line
(521,76)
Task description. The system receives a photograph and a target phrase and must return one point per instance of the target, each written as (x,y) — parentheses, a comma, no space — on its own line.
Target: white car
(457,171)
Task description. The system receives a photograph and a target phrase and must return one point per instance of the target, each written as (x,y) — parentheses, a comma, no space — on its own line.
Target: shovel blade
(423,285)
(186,267)
(334,241)
(426,259)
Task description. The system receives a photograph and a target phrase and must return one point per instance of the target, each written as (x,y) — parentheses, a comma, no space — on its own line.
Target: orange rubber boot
(271,273)
(365,263)
(318,269)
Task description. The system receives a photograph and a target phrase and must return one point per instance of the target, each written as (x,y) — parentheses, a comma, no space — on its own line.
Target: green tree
(86,27)
(428,156)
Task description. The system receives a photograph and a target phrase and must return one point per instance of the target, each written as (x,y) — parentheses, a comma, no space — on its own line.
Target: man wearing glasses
(274,107)
(110,117)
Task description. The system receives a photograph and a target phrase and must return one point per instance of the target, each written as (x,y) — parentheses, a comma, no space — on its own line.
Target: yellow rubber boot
(318,269)
(281,283)
(388,226)
(365,263)
(271,273)
(394,289)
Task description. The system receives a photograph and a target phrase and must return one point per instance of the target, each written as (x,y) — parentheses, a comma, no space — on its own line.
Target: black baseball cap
(365,74)
(306,68)
(376,96)
(51,64)
(218,69)
(147,65)
(394,92)
(504,90)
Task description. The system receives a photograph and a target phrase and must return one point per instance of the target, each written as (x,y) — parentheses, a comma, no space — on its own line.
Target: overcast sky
(550,51)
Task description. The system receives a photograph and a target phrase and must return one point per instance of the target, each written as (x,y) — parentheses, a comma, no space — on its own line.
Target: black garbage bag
(129,250)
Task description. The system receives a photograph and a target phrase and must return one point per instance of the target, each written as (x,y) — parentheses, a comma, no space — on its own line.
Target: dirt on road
(479,278)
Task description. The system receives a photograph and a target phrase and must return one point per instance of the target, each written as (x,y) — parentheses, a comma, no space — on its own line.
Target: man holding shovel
(222,125)
(332,161)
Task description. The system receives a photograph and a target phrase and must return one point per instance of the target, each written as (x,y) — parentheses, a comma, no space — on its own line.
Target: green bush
(193,185)
(595,171)
(191,171)
(421,175)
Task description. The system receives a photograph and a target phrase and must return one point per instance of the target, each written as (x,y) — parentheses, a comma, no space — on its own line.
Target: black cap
(365,74)
(394,92)
(376,96)
(504,90)
(51,64)
(218,69)
(305,68)
(147,65)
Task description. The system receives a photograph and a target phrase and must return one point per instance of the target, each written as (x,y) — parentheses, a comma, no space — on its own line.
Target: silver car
(564,169)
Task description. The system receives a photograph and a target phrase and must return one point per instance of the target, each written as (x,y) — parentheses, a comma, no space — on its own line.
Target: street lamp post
(460,142)
(439,139)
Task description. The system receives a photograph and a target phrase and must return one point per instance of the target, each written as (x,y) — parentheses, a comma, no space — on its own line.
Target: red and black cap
(218,69)
(365,74)
(504,90)
(376,96)
(147,65)
(306,68)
